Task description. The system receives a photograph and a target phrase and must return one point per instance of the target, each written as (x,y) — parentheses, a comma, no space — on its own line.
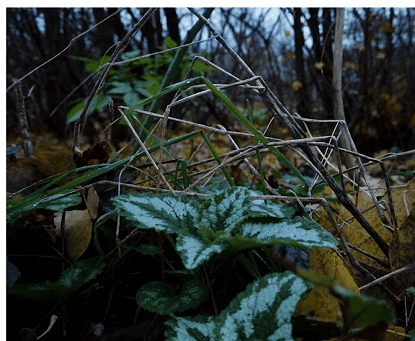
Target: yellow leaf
(326,262)
(297,85)
(319,65)
(354,233)
(395,333)
(319,303)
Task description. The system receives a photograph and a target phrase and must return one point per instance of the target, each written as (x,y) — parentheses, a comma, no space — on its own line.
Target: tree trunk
(337,89)
(303,105)
(172,23)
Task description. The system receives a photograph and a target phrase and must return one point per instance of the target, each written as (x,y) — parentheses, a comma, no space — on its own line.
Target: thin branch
(66,48)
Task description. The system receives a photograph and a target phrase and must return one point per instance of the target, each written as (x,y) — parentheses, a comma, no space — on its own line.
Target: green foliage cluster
(222,227)
(135,78)
(227,226)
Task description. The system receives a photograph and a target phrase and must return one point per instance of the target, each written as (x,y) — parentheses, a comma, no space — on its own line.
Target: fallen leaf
(319,303)
(52,162)
(402,251)
(92,203)
(354,233)
(78,226)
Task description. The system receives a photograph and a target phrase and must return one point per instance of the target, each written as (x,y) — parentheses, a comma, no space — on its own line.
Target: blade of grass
(251,268)
(30,204)
(174,87)
(225,100)
(258,154)
(218,160)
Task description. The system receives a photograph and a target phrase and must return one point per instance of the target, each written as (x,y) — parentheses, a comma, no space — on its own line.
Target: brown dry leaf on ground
(52,162)
(78,226)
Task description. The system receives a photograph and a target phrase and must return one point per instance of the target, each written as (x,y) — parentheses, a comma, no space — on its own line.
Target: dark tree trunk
(118,27)
(152,31)
(172,23)
(303,102)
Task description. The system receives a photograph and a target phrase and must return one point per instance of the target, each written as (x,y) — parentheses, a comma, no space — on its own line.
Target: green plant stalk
(182,164)
(171,71)
(251,268)
(254,131)
(258,154)
(270,267)
(253,262)
(175,179)
(217,158)
(182,168)
(261,173)
(274,266)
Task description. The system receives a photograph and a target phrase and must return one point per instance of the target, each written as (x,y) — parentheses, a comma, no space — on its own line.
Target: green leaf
(130,55)
(102,102)
(194,250)
(276,211)
(130,98)
(145,249)
(225,209)
(216,184)
(70,281)
(298,231)
(318,189)
(59,202)
(77,275)
(120,88)
(98,103)
(262,312)
(160,298)
(18,211)
(164,212)
(227,220)
(170,43)
(201,67)
(197,328)
(94,65)
(75,112)
(38,292)
(142,86)
(362,311)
